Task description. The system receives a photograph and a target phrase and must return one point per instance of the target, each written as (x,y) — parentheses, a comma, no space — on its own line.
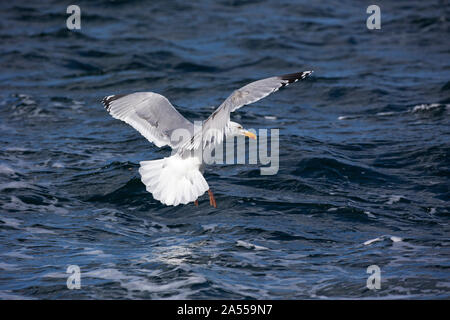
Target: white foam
(39,230)
(396,239)
(28,101)
(392,238)
(426,107)
(369,214)
(18,205)
(210,227)
(58,165)
(7,171)
(393,199)
(372,241)
(347,117)
(174,255)
(383,114)
(16,185)
(249,245)
(136,283)
(98,253)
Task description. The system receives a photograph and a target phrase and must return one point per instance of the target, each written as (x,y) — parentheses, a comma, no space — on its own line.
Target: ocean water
(364,151)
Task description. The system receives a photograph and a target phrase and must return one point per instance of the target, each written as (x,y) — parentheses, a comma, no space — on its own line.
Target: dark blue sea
(364,151)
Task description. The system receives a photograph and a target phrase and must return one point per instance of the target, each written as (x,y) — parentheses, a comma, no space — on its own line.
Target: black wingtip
(294,77)
(106,101)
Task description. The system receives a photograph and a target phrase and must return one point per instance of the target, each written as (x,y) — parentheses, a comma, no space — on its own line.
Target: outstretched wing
(149,113)
(215,126)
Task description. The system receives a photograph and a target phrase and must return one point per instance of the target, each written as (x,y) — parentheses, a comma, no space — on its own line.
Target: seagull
(178,179)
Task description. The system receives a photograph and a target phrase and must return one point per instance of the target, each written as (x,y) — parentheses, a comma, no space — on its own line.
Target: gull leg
(212,201)
(196,203)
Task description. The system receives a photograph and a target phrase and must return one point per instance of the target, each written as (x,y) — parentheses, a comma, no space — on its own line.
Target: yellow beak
(249,134)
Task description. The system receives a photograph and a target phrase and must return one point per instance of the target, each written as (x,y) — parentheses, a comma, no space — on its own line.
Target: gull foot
(212,201)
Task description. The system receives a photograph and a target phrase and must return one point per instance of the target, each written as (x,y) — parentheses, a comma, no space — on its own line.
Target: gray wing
(149,113)
(216,125)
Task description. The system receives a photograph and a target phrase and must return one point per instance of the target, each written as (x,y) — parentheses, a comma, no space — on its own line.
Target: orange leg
(196,203)
(212,201)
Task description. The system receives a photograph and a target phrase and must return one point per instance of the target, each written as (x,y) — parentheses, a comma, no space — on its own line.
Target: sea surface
(364,151)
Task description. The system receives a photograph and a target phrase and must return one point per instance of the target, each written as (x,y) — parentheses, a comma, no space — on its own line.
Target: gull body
(178,179)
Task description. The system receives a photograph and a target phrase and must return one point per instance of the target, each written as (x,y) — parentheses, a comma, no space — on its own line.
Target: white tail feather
(173,180)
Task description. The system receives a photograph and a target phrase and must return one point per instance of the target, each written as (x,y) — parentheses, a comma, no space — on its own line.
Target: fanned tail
(173,180)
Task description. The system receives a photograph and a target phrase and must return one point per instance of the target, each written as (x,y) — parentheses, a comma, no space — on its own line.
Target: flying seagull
(178,179)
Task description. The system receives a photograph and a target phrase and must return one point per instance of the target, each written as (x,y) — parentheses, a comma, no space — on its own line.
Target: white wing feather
(149,113)
(216,125)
